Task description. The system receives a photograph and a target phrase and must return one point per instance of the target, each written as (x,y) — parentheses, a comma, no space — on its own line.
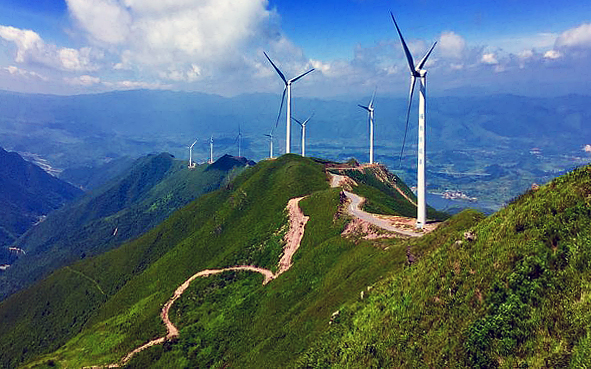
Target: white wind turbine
(417,72)
(270,135)
(287,88)
(191,164)
(303,125)
(211,150)
(239,140)
(370,109)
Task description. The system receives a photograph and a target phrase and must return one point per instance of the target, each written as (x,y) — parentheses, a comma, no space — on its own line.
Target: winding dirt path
(293,239)
(397,224)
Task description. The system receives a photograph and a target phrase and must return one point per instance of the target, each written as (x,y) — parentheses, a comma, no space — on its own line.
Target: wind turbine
(191,164)
(370,109)
(287,88)
(211,150)
(270,135)
(303,125)
(239,140)
(417,72)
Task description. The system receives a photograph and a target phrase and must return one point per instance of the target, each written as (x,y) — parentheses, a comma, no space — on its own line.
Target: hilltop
(502,290)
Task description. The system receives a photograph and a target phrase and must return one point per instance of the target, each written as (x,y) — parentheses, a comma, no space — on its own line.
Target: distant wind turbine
(239,140)
(370,109)
(270,135)
(303,125)
(417,72)
(287,88)
(211,150)
(191,164)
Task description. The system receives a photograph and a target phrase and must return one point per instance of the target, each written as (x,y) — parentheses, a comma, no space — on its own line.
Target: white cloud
(105,20)
(552,54)
(579,37)
(84,80)
(130,85)
(24,73)
(32,49)
(451,45)
(587,148)
(489,58)
(173,33)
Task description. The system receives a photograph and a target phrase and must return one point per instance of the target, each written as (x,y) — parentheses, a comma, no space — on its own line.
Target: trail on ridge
(293,239)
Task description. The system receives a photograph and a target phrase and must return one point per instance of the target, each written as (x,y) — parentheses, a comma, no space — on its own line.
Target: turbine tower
(239,140)
(369,109)
(303,125)
(287,88)
(270,135)
(211,150)
(417,72)
(191,164)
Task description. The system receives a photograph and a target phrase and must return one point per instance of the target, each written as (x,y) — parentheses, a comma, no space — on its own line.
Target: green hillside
(242,223)
(508,290)
(126,207)
(27,194)
(516,295)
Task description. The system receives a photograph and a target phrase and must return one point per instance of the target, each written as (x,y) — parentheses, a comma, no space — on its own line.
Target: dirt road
(293,239)
(354,209)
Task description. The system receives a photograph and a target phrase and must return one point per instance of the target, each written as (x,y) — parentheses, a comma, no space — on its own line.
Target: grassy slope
(132,204)
(517,296)
(237,221)
(244,323)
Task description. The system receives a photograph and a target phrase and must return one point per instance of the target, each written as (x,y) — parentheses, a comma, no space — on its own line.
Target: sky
(524,47)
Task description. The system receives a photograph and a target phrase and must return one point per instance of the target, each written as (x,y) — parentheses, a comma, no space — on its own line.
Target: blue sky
(82,46)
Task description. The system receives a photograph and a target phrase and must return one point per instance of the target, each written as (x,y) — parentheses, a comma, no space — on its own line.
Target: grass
(516,296)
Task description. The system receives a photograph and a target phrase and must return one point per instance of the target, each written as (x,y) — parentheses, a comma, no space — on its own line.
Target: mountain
(27,194)
(142,197)
(505,290)
(465,134)
(115,298)
(510,290)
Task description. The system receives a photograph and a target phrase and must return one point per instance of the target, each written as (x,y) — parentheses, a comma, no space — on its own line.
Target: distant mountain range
(27,195)
(465,134)
(125,207)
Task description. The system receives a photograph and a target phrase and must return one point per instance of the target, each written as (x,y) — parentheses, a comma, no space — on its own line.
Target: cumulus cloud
(489,58)
(174,33)
(451,45)
(579,37)
(30,48)
(552,54)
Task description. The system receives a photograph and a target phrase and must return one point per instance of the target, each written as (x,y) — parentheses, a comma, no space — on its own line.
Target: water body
(456,205)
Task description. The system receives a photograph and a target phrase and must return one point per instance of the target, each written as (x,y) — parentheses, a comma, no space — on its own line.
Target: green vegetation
(515,296)
(149,192)
(510,290)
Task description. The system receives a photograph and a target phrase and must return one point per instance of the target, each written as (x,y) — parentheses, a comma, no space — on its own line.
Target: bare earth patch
(293,239)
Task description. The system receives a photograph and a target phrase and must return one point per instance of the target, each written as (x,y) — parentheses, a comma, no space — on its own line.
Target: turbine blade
(372,97)
(412,88)
(424,60)
(411,64)
(280,107)
(276,69)
(300,76)
(298,122)
(306,121)
(363,107)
